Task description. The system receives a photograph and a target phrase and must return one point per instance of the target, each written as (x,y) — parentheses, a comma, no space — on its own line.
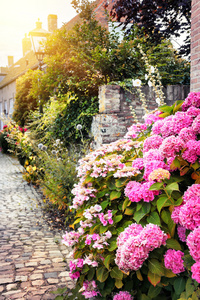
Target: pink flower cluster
(73,267)
(70,238)
(137,191)
(193,99)
(135,243)
(98,241)
(193,242)
(173,261)
(123,296)
(159,175)
(89,289)
(188,213)
(106,218)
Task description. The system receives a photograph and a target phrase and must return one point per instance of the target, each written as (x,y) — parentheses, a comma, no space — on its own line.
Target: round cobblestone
(32,258)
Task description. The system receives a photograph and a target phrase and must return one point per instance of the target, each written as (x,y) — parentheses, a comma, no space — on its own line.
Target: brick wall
(195,46)
(114,110)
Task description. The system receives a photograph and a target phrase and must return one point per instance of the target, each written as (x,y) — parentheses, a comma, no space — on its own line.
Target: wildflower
(158,101)
(137,82)
(79,127)
(54,152)
(40,146)
(70,238)
(152,69)
(44,148)
(173,261)
(150,83)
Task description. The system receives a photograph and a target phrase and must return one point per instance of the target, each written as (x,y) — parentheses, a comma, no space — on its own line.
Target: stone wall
(114,110)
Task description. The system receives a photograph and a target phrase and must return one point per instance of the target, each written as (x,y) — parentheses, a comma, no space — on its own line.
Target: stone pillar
(195,47)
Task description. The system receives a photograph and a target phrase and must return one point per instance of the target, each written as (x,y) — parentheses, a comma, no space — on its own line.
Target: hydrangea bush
(136,233)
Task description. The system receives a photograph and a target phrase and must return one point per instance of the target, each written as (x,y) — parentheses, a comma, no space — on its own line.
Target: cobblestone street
(33,261)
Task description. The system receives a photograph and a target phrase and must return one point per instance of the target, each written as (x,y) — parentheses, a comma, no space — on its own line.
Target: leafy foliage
(158,19)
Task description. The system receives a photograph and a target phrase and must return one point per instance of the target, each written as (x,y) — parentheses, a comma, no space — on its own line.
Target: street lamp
(38,36)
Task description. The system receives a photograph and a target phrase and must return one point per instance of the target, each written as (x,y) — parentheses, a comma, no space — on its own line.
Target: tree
(30,88)
(159,19)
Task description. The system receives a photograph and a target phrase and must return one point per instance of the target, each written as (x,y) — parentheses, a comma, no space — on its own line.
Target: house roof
(29,61)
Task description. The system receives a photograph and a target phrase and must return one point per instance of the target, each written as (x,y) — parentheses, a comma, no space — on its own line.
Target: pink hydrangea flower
(159,175)
(181,233)
(123,296)
(196,124)
(193,242)
(187,134)
(188,214)
(138,163)
(196,271)
(192,151)
(152,142)
(135,243)
(171,146)
(173,261)
(193,99)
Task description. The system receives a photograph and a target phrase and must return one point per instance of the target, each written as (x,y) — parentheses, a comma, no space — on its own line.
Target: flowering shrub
(136,231)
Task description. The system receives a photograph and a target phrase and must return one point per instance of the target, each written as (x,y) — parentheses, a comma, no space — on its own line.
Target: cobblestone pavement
(33,261)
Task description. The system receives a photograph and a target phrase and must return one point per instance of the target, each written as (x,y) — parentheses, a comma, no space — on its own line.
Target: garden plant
(136,233)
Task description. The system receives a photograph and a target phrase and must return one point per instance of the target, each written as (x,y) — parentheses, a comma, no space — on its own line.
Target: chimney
(52,23)
(26,45)
(10,61)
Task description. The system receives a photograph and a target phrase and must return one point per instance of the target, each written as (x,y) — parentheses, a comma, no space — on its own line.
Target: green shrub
(139,182)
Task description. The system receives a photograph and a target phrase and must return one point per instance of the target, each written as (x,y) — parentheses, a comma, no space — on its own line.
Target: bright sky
(18,17)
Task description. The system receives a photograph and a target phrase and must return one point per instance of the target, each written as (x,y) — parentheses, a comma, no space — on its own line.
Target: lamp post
(38,36)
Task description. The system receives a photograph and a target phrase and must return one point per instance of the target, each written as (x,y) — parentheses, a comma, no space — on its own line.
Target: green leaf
(189,288)
(102,273)
(138,215)
(165,216)
(188,261)
(107,261)
(126,203)
(169,273)
(91,274)
(154,291)
(117,219)
(101,193)
(179,285)
(113,246)
(115,195)
(173,244)
(85,269)
(104,204)
(88,179)
(153,278)
(156,186)
(111,184)
(121,182)
(163,201)
(154,218)
(103,229)
(166,108)
(116,273)
(178,202)
(172,187)
(155,267)
(118,283)
(129,211)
